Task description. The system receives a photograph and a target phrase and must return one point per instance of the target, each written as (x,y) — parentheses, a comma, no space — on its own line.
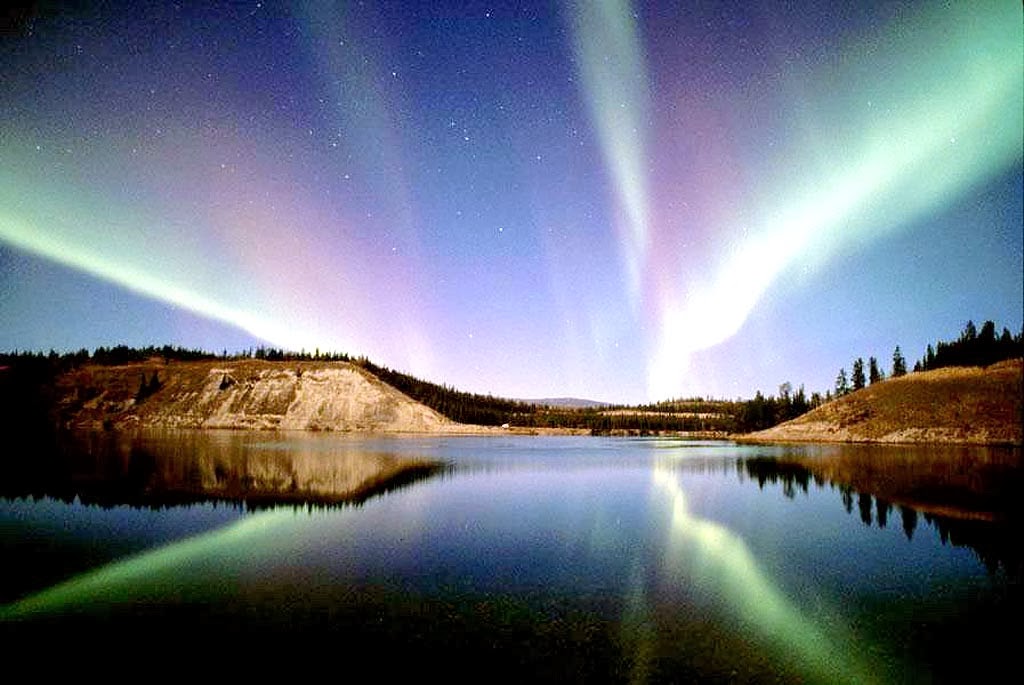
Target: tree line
(26,374)
(487,410)
(26,387)
(875,373)
(764,412)
(971,348)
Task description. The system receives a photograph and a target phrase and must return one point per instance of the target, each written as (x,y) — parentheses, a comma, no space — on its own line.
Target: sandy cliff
(951,405)
(248,394)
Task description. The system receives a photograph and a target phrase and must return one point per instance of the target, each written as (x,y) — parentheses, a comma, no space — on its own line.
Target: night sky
(597,199)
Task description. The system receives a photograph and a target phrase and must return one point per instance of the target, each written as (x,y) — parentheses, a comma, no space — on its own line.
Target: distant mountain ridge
(567,402)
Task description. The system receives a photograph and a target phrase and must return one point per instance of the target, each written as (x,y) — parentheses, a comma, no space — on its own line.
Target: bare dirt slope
(951,405)
(247,394)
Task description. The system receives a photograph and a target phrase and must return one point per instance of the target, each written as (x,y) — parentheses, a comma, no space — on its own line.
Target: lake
(520,558)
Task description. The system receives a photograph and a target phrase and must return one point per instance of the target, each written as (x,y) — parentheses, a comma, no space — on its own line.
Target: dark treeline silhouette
(633,421)
(973,348)
(27,392)
(31,375)
(694,415)
(464,407)
(123,354)
(764,412)
(26,387)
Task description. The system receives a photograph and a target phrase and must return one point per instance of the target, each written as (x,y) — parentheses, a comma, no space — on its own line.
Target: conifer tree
(874,373)
(842,384)
(899,364)
(858,374)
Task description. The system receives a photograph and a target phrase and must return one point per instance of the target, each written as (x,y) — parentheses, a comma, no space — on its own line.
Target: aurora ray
(611,63)
(572,199)
(953,120)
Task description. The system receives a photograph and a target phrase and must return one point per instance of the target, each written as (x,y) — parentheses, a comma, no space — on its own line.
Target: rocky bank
(248,394)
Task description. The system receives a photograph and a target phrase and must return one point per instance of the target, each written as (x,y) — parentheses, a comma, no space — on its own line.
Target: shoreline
(470,430)
(752,439)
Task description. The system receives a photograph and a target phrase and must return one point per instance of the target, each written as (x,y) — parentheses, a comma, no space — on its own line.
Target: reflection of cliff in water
(186,467)
(993,531)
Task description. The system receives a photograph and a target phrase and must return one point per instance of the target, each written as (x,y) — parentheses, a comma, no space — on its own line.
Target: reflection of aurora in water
(707,553)
(649,557)
(698,551)
(150,575)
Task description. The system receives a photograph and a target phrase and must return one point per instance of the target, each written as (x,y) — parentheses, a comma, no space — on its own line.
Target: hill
(251,394)
(114,387)
(950,405)
(565,403)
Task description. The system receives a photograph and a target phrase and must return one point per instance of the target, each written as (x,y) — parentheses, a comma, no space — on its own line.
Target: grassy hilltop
(968,405)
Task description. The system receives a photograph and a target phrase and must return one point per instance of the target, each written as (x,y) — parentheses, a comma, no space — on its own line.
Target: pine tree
(875,374)
(842,385)
(899,364)
(858,374)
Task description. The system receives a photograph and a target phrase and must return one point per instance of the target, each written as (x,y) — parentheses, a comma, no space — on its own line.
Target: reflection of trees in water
(995,542)
(111,471)
(847,495)
(909,517)
(883,508)
(111,498)
(864,504)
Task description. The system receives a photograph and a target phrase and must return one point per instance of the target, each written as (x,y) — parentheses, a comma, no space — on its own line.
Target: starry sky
(624,202)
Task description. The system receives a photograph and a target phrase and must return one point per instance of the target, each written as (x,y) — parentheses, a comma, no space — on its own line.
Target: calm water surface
(534,558)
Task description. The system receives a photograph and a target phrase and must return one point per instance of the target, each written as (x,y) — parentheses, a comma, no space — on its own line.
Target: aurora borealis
(609,200)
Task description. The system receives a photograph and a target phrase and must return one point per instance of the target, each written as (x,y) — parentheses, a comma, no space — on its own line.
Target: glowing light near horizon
(607,47)
(164,287)
(715,556)
(233,248)
(224,215)
(955,118)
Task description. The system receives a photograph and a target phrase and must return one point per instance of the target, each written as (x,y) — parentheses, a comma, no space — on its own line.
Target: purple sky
(614,201)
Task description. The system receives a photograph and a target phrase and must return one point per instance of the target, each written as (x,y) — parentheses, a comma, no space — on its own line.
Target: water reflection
(715,556)
(560,559)
(145,577)
(173,468)
(974,510)
(953,481)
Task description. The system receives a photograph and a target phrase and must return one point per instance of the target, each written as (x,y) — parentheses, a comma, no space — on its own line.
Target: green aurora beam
(608,51)
(899,128)
(148,572)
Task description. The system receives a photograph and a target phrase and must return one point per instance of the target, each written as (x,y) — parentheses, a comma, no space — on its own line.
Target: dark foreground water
(523,559)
